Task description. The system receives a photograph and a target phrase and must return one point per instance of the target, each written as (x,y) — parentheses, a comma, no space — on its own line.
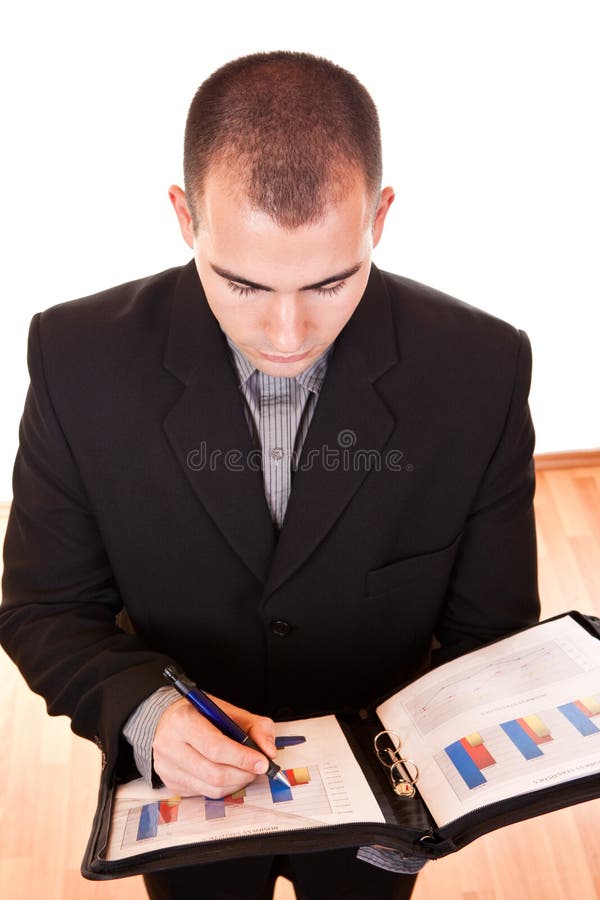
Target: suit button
(280,627)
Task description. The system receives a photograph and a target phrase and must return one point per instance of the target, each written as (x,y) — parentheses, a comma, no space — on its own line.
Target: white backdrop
(490,125)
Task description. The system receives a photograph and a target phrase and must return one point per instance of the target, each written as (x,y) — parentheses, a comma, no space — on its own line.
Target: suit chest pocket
(426,568)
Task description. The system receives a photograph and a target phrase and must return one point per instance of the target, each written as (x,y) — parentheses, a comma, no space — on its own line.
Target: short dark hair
(295,127)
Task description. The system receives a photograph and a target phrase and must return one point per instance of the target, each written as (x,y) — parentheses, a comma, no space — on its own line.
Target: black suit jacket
(136,489)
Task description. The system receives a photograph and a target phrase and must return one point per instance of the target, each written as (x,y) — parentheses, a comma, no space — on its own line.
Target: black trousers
(331,875)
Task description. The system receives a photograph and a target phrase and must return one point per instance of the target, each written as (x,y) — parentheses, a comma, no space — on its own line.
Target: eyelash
(247,291)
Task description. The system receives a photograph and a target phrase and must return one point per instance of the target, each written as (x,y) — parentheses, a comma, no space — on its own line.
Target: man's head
(282,172)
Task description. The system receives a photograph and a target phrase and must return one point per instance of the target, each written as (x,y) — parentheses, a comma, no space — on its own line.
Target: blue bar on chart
(576,717)
(468,770)
(524,744)
(214,809)
(148,824)
(279,791)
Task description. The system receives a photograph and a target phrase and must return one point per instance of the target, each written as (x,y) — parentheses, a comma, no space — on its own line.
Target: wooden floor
(48,777)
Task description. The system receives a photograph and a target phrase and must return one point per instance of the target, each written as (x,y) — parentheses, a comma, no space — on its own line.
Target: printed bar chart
(580,712)
(469,771)
(527,734)
(148,824)
(477,750)
(167,811)
(514,747)
(470,756)
(535,728)
(216,809)
(326,787)
(280,792)
(164,812)
(521,736)
(591,705)
(298,776)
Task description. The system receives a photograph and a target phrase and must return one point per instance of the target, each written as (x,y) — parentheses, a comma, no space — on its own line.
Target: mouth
(285,359)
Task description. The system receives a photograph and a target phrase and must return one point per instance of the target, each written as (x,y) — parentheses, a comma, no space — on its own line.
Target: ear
(386,200)
(184,217)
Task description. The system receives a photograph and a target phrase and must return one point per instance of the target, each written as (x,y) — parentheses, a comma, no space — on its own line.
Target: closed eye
(330,291)
(244,291)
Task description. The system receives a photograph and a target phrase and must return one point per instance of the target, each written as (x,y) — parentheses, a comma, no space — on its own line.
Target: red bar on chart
(478,752)
(167,811)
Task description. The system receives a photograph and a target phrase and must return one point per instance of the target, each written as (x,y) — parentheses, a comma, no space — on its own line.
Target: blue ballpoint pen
(217,717)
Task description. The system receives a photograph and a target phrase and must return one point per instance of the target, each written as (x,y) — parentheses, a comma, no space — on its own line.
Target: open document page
(508,719)
(327,788)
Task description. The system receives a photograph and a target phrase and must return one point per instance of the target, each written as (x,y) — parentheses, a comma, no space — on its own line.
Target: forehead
(227,217)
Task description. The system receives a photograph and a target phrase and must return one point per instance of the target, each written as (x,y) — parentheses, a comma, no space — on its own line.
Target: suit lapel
(207,428)
(208,418)
(349,418)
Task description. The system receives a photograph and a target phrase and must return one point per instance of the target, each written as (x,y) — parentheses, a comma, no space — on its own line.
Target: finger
(262,732)
(195,730)
(221,750)
(186,784)
(181,768)
(260,728)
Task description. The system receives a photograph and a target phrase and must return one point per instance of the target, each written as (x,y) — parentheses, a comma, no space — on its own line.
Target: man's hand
(192,757)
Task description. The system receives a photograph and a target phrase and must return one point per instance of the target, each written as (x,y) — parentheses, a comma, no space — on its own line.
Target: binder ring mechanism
(403,772)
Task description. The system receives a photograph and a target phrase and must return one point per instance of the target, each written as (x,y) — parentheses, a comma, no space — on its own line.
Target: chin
(282,370)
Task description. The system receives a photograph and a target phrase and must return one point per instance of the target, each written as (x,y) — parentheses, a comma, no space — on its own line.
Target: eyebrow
(231,276)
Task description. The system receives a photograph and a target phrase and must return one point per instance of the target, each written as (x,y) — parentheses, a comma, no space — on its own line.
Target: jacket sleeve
(60,599)
(493,588)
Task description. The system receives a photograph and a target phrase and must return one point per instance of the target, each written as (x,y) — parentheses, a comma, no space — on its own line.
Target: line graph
(525,670)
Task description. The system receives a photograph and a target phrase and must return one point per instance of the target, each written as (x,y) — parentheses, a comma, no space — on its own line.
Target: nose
(286,325)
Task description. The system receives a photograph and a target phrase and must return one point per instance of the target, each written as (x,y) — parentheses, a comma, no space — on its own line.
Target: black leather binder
(466,766)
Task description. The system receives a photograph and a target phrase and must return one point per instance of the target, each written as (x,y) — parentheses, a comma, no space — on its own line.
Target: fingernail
(261,767)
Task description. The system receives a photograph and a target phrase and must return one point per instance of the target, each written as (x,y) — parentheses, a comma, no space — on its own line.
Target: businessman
(301,479)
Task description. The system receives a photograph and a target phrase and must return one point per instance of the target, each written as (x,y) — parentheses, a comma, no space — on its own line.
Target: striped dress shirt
(279,411)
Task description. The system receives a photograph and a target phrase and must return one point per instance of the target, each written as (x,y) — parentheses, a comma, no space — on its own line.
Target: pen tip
(282,777)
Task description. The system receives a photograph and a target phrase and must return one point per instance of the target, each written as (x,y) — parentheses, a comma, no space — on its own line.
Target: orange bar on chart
(300,775)
(536,724)
(533,733)
(589,705)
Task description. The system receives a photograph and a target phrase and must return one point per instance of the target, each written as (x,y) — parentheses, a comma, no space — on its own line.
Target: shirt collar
(311,379)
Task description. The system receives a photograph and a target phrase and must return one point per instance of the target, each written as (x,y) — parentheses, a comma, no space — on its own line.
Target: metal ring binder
(398,766)
(387,756)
